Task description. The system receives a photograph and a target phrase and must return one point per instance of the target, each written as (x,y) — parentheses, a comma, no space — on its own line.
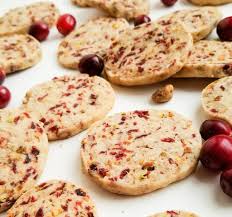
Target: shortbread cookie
(68,105)
(138,152)
(18,52)
(199,22)
(210,2)
(81,3)
(120,8)
(23,153)
(147,54)
(175,213)
(20,19)
(54,198)
(208,59)
(94,37)
(217,99)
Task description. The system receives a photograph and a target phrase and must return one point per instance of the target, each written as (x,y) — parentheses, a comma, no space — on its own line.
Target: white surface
(200,193)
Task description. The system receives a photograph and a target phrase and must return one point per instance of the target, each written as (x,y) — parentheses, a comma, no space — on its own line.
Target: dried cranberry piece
(80,192)
(39,213)
(93,167)
(124,173)
(35,151)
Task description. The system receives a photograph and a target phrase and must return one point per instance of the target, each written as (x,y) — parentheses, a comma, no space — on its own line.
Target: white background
(200,193)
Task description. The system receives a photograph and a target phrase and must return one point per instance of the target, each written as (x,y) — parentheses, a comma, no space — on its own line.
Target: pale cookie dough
(217,99)
(23,153)
(54,198)
(147,54)
(208,59)
(139,152)
(199,22)
(20,19)
(210,2)
(19,52)
(69,104)
(93,37)
(175,213)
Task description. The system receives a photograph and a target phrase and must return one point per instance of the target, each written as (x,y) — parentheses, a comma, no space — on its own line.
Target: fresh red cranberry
(141,19)
(210,128)
(226,182)
(169,2)
(5,96)
(66,23)
(216,153)
(2,75)
(39,30)
(224,29)
(91,64)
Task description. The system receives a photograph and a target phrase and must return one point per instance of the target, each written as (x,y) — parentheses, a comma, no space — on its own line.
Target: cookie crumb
(163,94)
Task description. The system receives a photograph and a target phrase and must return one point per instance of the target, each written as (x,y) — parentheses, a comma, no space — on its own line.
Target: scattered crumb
(163,94)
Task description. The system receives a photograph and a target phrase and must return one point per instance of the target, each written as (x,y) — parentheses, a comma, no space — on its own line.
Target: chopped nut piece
(163,94)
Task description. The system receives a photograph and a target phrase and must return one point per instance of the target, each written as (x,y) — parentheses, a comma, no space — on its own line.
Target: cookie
(138,152)
(81,3)
(54,198)
(175,213)
(216,99)
(94,37)
(199,22)
(23,153)
(69,104)
(18,52)
(120,8)
(148,53)
(20,19)
(210,2)
(208,59)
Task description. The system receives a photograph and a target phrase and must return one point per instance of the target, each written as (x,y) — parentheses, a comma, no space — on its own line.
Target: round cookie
(54,198)
(175,213)
(69,104)
(23,153)
(217,99)
(93,37)
(208,59)
(128,9)
(139,152)
(20,19)
(81,3)
(147,54)
(210,2)
(200,22)
(18,52)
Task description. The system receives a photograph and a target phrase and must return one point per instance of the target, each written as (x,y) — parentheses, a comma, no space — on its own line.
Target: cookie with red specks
(148,54)
(69,104)
(19,52)
(139,152)
(217,99)
(199,22)
(93,37)
(23,153)
(54,198)
(175,214)
(20,19)
(208,59)
(128,9)
(210,2)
